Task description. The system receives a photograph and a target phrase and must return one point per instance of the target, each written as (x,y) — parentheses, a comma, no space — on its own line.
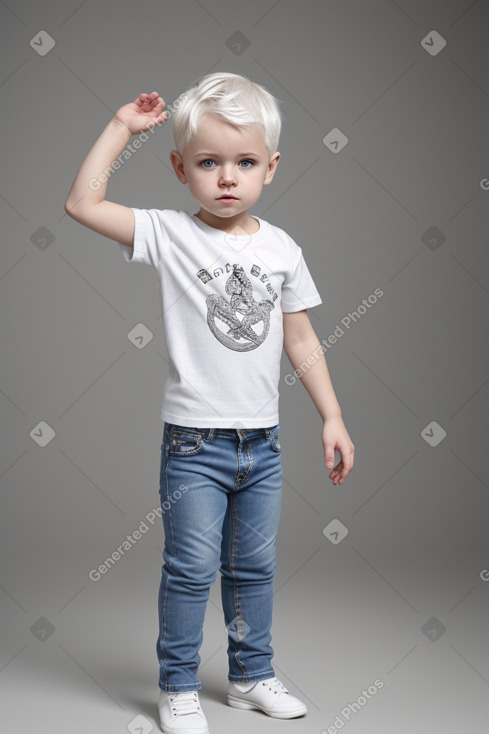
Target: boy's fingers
(344,466)
(347,466)
(329,456)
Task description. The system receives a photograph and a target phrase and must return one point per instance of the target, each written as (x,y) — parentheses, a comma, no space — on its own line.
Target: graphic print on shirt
(240,323)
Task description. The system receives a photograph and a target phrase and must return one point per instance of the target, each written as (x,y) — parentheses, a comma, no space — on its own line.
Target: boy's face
(225,168)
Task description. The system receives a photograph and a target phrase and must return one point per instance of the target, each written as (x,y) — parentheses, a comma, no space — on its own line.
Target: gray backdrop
(381,603)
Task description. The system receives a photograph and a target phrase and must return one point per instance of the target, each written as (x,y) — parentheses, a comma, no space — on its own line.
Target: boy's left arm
(301,343)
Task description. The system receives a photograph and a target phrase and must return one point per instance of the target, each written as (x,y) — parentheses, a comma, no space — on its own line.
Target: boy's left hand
(335,436)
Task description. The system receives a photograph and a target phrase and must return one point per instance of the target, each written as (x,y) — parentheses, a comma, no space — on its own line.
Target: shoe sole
(238,703)
(183,731)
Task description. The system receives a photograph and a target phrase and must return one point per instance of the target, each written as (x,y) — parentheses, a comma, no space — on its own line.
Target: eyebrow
(239,155)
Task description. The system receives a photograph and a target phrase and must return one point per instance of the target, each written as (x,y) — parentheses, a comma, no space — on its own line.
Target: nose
(228,176)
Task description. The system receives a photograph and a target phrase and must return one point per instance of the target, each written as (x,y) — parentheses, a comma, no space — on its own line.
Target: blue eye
(246,160)
(207,160)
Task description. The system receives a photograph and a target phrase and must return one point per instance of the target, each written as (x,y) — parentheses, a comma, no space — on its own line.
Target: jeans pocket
(184,442)
(275,440)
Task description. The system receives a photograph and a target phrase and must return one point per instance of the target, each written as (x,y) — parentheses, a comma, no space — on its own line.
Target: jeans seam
(263,675)
(180,688)
(235,584)
(174,548)
(250,459)
(238,480)
(250,465)
(165,596)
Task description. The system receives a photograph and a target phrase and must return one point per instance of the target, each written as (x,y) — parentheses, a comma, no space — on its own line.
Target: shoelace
(274,683)
(183,703)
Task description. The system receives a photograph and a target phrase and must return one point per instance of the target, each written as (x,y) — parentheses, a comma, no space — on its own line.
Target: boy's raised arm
(86,201)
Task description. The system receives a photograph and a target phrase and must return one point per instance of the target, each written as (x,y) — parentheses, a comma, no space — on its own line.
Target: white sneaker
(269,696)
(180,713)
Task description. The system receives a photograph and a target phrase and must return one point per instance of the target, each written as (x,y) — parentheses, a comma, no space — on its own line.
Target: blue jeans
(220,492)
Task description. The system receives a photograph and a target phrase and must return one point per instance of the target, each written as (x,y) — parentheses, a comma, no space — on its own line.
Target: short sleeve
(150,238)
(298,289)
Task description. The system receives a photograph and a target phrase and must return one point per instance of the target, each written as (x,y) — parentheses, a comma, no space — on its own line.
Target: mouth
(227,197)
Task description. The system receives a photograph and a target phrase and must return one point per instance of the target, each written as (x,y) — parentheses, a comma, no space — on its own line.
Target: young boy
(235,290)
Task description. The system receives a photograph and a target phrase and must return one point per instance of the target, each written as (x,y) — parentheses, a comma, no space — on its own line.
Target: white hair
(236,99)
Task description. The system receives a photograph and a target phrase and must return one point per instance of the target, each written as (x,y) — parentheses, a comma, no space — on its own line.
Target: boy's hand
(335,436)
(142,114)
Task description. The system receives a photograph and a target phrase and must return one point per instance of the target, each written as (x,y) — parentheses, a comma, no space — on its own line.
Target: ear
(272,167)
(177,163)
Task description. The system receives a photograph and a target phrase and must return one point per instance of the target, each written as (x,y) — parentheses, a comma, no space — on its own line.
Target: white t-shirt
(222,298)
